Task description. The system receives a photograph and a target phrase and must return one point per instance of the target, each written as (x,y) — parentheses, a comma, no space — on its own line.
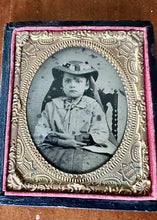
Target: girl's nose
(72,83)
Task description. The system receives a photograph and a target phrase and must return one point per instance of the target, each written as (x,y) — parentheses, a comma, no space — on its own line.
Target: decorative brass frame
(127,172)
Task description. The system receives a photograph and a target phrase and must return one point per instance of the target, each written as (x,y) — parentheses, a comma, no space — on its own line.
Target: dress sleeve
(99,129)
(42,129)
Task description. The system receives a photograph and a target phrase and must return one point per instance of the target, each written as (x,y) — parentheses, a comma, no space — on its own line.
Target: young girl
(72,133)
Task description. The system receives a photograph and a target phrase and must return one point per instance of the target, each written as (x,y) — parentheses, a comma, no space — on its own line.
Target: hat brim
(57,71)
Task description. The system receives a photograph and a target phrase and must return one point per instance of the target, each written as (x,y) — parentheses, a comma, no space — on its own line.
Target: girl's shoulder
(92,104)
(59,102)
(89,100)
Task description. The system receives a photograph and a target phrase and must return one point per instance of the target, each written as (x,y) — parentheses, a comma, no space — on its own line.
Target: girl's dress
(75,117)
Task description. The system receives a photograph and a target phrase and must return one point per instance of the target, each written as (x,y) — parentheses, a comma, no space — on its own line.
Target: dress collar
(80,102)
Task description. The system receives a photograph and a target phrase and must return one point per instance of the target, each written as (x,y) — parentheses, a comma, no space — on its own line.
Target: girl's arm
(99,130)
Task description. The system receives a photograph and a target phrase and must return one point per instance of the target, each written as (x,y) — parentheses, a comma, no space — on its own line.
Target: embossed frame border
(85,196)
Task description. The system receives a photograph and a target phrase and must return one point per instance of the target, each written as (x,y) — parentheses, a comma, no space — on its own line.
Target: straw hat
(77,68)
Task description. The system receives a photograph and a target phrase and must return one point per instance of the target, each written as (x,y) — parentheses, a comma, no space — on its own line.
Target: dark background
(29,10)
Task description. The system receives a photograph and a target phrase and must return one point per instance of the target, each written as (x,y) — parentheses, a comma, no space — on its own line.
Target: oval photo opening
(77,110)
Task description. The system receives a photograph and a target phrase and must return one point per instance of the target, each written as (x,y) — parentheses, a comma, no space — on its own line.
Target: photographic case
(92,146)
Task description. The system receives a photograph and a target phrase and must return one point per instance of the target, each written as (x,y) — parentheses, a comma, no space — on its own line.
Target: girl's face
(74,86)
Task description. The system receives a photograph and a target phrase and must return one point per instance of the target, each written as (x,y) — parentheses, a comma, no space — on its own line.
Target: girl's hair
(56,90)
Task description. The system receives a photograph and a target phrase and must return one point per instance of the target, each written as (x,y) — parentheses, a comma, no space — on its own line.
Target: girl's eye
(78,81)
(67,80)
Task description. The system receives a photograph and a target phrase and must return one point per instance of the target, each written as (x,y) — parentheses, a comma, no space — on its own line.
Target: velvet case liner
(149,66)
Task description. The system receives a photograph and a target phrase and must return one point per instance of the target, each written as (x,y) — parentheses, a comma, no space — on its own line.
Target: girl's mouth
(72,90)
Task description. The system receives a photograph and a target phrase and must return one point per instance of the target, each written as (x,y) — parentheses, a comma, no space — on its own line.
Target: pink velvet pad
(149,109)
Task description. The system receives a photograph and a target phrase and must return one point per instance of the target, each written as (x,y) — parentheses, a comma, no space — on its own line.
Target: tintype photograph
(76,110)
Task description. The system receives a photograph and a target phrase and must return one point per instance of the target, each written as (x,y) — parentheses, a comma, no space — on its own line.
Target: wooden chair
(111,98)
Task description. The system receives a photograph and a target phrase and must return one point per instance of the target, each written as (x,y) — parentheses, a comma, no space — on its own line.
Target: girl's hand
(70,143)
(63,135)
(84,137)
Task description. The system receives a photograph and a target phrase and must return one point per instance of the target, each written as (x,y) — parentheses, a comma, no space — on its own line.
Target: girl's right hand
(70,143)
(64,136)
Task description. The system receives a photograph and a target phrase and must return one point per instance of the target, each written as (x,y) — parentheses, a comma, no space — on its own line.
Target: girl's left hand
(70,143)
